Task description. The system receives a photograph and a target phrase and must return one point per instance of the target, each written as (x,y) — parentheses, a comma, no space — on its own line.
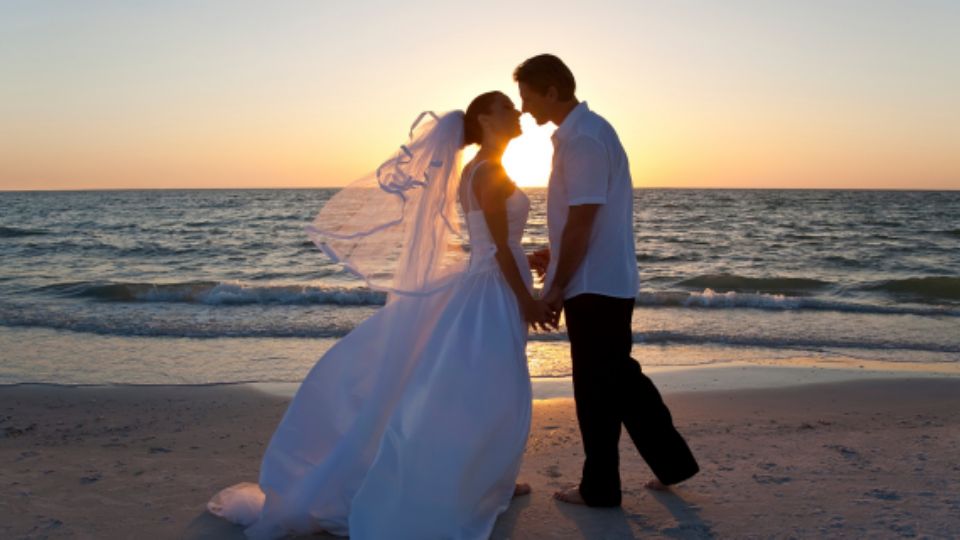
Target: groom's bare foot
(570,495)
(656,485)
(521,489)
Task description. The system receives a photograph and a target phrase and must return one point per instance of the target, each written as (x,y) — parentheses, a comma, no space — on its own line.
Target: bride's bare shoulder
(490,180)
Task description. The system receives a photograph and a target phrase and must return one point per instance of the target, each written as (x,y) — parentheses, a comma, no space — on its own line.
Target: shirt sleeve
(586,171)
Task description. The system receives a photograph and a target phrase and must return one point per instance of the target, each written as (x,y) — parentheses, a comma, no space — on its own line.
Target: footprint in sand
(89,479)
(769,479)
(846,452)
(553,471)
(883,494)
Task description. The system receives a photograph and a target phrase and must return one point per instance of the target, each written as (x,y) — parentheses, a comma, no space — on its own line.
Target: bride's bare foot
(570,495)
(521,489)
(656,485)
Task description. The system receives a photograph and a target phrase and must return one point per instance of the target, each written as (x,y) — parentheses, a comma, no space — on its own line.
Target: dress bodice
(482,246)
(518,207)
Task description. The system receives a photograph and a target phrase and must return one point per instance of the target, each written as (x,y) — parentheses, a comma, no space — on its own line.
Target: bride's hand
(539,261)
(537,314)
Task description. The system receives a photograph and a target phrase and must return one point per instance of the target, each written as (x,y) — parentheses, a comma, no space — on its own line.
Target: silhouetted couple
(414,424)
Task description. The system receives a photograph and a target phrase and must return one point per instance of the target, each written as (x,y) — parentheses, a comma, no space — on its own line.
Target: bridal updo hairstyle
(472,131)
(546,70)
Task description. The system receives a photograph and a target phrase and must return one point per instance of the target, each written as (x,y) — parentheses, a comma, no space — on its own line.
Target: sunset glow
(856,94)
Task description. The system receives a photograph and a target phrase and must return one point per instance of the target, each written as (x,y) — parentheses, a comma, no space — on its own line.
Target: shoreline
(864,457)
(73,358)
(721,376)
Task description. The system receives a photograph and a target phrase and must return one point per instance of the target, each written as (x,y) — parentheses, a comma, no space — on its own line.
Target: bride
(414,424)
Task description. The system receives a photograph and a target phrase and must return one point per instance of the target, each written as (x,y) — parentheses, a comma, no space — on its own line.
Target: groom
(593,277)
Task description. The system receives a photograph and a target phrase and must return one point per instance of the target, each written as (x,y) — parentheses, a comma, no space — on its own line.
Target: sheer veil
(398,227)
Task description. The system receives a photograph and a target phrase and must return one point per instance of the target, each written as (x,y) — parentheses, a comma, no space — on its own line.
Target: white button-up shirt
(590,167)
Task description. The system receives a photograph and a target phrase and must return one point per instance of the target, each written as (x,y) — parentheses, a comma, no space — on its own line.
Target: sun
(528,157)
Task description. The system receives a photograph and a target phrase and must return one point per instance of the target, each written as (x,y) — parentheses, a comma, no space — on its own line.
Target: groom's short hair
(546,70)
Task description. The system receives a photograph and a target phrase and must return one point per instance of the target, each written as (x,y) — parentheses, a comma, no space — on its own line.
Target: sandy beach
(874,457)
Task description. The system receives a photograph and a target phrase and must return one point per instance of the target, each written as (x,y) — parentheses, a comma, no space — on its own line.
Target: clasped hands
(544,313)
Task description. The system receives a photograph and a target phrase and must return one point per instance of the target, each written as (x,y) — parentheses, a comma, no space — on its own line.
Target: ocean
(218,286)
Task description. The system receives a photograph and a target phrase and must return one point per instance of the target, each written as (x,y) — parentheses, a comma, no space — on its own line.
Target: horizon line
(303,188)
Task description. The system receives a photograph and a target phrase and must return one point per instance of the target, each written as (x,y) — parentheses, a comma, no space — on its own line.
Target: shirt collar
(566,128)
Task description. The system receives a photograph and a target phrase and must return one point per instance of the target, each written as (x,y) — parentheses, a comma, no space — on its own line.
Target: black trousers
(610,389)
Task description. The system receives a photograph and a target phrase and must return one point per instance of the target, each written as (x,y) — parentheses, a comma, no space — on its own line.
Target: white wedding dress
(414,424)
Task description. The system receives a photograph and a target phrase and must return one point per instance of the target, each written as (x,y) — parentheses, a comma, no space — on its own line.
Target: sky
(230,94)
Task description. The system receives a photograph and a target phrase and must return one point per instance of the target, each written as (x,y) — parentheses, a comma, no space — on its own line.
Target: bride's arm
(492,187)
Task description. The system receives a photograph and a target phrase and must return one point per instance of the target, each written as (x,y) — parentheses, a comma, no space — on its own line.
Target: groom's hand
(554,301)
(539,261)
(537,314)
